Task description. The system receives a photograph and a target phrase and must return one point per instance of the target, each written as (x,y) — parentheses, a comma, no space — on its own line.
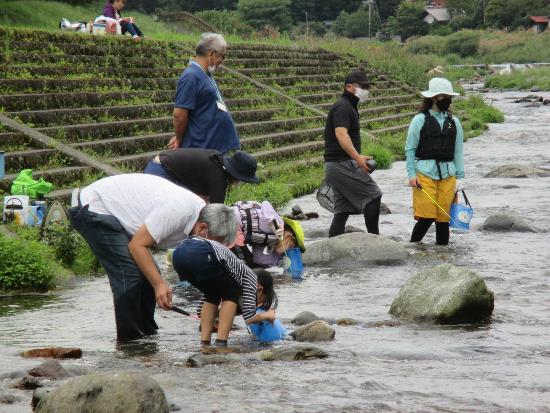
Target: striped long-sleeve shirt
(241,274)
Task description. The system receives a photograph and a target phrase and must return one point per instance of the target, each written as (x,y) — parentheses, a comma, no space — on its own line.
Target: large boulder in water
(106,393)
(517,171)
(351,250)
(318,330)
(444,294)
(506,222)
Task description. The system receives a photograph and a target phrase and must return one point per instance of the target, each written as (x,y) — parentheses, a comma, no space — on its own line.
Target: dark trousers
(371,213)
(133,295)
(130,28)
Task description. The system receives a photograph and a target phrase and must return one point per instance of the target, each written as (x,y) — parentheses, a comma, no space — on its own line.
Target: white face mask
(361,94)
(212,69)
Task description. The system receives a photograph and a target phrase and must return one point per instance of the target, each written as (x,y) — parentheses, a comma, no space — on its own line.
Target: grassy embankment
(42,15)
(524,80)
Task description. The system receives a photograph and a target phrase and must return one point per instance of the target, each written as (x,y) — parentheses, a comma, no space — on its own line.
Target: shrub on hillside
(261,13)
(26,265)
(463,22)
(426,45)
(355,24)
(464,43)
(227,21)
(441,29)
(381,154)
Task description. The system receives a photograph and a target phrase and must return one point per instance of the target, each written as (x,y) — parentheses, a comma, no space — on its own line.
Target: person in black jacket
(347,171)
(206,172)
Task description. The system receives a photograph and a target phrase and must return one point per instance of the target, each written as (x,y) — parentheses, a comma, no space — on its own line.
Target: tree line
(350,18)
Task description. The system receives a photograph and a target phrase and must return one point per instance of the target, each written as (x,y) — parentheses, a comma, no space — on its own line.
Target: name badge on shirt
(221,106)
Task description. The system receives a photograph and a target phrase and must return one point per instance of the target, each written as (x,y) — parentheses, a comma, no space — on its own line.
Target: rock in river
(506,222)
(295,352)
(444,294)
(517,171)
(350,250)
(317,330)
(54,352)
(305,317)
(51,369)
(106,393)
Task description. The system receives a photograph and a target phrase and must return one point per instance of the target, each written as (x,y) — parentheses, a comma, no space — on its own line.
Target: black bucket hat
(242,166)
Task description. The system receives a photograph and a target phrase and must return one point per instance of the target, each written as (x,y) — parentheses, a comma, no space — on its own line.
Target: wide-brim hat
(439,86)
(298,232)
(242,166)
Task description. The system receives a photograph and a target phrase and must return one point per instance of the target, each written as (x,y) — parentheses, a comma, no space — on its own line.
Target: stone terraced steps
(112,100)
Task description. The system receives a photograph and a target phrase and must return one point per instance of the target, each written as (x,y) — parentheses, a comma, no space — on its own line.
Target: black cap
(358,77)
(242,166)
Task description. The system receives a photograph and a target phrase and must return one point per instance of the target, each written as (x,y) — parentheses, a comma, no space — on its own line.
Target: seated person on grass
(127,24)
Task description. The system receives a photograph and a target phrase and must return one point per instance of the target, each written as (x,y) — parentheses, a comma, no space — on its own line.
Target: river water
(503,365)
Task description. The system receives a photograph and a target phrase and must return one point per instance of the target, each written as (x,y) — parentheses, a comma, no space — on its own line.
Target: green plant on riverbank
(65,244)
(524,80)
(476,114)
(27,265)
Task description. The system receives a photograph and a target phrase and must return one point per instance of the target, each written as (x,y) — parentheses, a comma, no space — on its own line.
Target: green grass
(525,80)
(45,15)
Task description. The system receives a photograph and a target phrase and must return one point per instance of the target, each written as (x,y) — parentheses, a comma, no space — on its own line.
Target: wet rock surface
(51,369)
(7,398)
(106,393)
(517,171)
(54,352)
(318,330)
(28,383)
(445,295)
(350,250)
(507,222)
(305,317)
(295,352)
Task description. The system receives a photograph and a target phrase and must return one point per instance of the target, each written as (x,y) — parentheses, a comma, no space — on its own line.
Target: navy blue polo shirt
(209,126)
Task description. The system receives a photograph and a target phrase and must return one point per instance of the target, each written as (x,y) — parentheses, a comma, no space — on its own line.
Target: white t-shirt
(168,211)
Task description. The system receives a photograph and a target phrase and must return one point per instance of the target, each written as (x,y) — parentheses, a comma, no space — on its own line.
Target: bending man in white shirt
(122,217)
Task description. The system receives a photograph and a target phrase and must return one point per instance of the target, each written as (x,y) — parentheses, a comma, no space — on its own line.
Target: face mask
(362,94)
(444,104)
(212,69)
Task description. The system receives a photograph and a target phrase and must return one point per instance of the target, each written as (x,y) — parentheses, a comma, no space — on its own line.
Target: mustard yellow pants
(442,191)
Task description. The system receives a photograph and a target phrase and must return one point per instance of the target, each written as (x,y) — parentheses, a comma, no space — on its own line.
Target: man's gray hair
(210,41)
(221,221)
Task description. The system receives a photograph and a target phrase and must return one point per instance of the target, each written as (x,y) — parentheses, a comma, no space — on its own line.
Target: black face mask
(444,104)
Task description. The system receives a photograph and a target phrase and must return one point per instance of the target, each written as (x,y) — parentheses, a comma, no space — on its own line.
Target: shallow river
(503,365)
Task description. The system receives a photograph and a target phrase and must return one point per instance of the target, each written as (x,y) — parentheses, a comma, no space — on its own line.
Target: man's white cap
(439,86)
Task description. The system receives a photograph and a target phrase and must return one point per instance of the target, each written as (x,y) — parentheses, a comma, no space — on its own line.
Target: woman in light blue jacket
(435,160)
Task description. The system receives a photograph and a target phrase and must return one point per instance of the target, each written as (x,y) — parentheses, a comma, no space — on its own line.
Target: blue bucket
(296,269)
(266,332)
(2,165)
(461,214)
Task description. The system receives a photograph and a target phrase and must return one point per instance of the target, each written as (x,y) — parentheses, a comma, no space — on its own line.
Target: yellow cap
(298,232)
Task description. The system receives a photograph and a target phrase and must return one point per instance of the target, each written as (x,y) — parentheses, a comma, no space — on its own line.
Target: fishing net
(325,196)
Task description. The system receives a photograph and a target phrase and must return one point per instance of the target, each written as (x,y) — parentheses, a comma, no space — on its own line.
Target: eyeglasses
(221,54)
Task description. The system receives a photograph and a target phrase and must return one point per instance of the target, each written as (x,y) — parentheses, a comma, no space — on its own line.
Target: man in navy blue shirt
(201,117)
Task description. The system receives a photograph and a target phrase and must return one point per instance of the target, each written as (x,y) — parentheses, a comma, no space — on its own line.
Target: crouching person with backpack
(263,236)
